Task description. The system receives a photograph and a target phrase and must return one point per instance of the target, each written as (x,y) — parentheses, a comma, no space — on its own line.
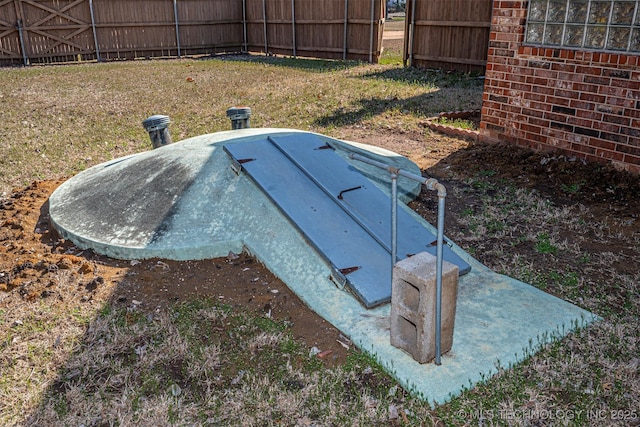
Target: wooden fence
(448,34)
(51,31)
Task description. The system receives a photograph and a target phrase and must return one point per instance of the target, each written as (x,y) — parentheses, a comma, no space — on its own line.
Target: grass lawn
(207,363)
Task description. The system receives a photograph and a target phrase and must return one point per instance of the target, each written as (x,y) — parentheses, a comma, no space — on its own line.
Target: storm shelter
(296,202)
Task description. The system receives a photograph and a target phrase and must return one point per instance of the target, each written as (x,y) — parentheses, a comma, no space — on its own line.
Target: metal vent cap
(239,113)
(157,122)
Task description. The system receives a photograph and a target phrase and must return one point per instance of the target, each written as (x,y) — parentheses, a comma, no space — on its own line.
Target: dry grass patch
(59,120)
(35,342)
(572,251)
(203,363)
(78,361)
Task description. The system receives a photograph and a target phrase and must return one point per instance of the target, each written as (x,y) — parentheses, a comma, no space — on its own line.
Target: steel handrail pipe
(431,184)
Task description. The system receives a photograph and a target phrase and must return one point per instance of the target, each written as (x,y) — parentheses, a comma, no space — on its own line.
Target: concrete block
(413,306)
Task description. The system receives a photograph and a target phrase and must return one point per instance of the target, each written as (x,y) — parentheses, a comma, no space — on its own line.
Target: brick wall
(583,103)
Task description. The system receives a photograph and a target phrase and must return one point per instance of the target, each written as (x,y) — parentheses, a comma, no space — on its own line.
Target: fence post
(293,25)
(346,26)
(412,33)
(373,15)
(93,28)
(264,18)
(17,4)
(175,14)
(244,26)
(25,60)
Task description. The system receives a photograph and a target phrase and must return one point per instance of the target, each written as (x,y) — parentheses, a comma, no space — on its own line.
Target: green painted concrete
(183,201)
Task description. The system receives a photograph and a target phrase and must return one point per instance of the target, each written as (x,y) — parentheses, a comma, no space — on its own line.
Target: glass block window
(611,25)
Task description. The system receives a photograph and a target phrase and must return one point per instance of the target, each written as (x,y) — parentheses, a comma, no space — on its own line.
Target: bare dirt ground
(604,195)
(36,265)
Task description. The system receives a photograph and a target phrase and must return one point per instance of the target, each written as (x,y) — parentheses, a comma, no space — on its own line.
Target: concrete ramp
(183,201)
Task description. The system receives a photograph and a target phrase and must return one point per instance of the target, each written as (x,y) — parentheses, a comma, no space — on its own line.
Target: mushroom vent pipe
(157,127)
(239,117)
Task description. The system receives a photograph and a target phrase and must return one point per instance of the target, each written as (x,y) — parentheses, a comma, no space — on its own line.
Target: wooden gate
(54,30)
(9,37)
(447,34)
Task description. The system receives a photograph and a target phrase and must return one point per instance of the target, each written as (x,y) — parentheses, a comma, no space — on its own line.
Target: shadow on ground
(306,64)
(368,108)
